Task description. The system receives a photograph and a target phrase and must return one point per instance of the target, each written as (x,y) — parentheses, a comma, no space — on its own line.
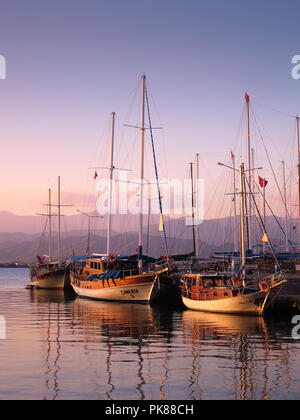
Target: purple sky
(70,63)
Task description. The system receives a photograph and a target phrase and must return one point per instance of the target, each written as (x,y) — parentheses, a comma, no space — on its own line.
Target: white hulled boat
(111,277)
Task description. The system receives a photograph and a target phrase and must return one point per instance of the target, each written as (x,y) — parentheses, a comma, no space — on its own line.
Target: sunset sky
(71,63)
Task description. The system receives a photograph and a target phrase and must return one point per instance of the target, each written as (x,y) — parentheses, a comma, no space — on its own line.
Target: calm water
(61,347)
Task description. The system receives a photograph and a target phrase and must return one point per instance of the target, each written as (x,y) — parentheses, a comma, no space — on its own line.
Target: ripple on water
(61,347)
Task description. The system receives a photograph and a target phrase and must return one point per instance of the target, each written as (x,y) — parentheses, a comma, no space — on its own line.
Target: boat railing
(264,284)
(131,272)
(271,280)
(214,294)
(160,265)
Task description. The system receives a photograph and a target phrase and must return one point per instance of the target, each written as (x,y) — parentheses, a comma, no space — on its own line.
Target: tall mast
(59,214)
(243,255)
(197,204)
(193,210)
(285,208)
(234,205)
(111,181)
(253,192)
(142,171)
(49,227)
(264,212)
(249,244)
(298,153)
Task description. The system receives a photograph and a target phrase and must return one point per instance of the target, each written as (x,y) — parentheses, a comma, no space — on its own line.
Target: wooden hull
(56,279)
(139,293)
(251,304)
(142,288)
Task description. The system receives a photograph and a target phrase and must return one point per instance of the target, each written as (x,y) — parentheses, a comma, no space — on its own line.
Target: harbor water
(57,346)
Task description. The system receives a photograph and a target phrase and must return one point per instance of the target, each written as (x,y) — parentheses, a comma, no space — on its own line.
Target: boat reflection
(40,296)
(246,346)
(48,307)
(126,330)
(128,351)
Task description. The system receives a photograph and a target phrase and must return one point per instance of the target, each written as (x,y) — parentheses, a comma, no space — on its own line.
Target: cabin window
(188,282)
(219,282)
(92,265)
(228,283)
(226,294)
(208,283)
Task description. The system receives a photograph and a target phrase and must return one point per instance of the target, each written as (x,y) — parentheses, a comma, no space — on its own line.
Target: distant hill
(21,238)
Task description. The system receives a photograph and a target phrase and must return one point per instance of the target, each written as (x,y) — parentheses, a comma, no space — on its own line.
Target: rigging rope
(156,174)
(270,163)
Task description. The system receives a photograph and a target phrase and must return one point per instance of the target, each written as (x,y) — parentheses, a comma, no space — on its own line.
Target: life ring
(264,287)
(112,258)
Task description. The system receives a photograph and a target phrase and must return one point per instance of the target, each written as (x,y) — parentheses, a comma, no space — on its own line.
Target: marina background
(68,66)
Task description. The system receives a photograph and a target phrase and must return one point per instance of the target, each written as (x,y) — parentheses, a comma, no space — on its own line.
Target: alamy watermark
(2,328)
(296,329)
(2,67)
(176,197)
(296,68)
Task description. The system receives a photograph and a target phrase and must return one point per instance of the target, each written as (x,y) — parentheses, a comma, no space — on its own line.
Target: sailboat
(232,292)
(115,277)
(48,274)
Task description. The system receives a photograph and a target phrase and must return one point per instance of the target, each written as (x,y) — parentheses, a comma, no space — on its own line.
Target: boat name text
(129,292)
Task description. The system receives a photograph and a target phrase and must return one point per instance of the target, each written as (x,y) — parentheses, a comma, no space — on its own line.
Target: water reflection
(246,346)
(61,347)
(48,305)
(118,326)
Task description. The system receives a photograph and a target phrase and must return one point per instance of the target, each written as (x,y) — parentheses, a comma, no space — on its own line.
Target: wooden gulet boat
(112,277)
(51,275)
(232,292)
(214,292)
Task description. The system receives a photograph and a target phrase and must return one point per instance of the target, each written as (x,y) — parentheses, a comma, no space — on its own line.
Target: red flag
(247,97)
(96,175)
(262,182)
(232,155)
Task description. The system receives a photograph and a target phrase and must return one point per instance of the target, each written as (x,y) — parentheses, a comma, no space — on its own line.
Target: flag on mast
(262,182)
(96,175)
(265,238)
(161,224)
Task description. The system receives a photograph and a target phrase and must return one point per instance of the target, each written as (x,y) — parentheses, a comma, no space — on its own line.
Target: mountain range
(24,237)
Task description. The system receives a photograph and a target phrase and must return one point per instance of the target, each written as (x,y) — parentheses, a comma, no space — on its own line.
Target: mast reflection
(48,306)
(244,344)
(117,326)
